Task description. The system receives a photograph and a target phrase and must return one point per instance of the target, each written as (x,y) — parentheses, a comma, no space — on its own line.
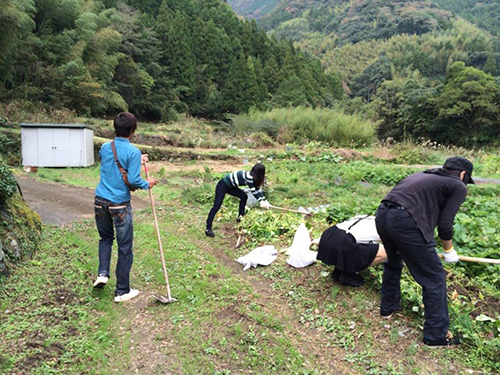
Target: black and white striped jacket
(239,178)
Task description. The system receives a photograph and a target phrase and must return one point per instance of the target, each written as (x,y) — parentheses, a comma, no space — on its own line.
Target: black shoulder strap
(357,221)
(115,155)
(123,172)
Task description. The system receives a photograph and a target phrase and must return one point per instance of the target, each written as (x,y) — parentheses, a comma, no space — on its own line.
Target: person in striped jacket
(229,184)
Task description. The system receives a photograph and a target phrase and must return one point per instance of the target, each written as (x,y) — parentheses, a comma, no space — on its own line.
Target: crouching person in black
(351,247)
(406,220)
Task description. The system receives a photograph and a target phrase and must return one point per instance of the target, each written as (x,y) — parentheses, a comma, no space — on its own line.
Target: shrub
(261,139)
(246,125)
(25,111)
(10,147)
(488,164)
(409,153)
(8,183)
(303,124)
(358,170)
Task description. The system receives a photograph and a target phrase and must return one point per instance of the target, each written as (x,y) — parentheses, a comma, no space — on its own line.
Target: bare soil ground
(61,204)
(215,166)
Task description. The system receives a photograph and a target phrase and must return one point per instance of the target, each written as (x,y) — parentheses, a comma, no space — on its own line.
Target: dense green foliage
(464,110)
(355,21)
(153,58)
(253,9)
(10,147)
(397,57)
(303,124)
(485,13)
(8,184)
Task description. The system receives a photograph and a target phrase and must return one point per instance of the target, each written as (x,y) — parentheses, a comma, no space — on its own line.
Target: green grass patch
(268,320)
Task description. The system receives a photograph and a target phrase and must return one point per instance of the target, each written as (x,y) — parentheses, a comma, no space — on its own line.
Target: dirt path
(215,166)
(150,354)
(61,204)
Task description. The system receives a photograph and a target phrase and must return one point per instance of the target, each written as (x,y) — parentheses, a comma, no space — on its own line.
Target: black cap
(460,164)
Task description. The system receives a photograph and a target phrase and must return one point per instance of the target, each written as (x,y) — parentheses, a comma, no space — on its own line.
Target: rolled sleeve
(134,171)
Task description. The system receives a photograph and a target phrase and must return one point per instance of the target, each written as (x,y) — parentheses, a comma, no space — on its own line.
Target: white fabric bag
(263,255)
(299,254)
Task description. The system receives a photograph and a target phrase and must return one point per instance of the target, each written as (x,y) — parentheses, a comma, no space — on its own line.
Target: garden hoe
(294,211)
(475,260)
(159,297)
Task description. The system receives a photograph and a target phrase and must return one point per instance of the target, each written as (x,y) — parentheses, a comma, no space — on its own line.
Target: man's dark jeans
(109,217)
(403,241)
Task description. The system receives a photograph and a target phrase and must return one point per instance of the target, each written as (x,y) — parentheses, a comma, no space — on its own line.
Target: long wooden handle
(158,233)
(475,260)
(288,210)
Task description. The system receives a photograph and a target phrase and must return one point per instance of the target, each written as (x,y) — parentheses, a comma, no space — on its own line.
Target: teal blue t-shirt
(111,185)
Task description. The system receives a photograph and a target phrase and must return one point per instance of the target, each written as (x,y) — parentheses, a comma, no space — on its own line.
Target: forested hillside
(253,8)
(485,14)
(415,66)
(154,58)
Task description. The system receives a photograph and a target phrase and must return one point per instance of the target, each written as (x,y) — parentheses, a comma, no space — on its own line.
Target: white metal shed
(57,145)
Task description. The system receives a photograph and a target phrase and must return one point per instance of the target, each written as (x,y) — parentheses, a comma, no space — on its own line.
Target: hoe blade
(163,299)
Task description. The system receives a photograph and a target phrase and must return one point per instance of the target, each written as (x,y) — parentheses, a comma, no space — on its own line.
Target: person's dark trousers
(112,217)
(403,241)
(220,191)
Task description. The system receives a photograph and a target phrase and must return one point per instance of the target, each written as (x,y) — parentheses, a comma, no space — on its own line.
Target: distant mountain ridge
(253,8)
(485,14)
(355,21)
(323,15)
(349,35)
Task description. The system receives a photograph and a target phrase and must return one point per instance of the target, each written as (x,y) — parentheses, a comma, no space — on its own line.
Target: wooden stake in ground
(159,297)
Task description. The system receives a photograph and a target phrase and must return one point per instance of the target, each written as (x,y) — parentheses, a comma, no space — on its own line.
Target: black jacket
(432,198)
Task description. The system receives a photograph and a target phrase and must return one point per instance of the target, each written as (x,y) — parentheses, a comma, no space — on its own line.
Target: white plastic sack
(299,254)
(263,255)
(251,201)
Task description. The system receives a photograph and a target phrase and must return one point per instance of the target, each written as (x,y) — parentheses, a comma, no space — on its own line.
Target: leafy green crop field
(263,321)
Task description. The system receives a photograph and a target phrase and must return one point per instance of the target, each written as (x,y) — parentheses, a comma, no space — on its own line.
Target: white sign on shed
(57,145)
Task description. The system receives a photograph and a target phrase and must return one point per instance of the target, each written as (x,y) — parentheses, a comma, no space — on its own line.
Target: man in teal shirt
(112,204)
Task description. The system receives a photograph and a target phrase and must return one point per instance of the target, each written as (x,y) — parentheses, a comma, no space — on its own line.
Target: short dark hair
(125,123)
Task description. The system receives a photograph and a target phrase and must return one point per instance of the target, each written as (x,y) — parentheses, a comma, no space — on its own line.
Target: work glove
(265,204)
(450,256)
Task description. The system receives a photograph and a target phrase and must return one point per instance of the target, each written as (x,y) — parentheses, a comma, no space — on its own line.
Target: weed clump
(10,146)
(8,184)
(303,124)
(20,232)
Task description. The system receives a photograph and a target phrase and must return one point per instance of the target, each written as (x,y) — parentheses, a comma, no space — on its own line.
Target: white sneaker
(127,296)
(101,281)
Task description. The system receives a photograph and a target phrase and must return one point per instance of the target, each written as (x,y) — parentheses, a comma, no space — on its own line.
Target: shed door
(45,147)
(53,147)
(30,146)
(61,148)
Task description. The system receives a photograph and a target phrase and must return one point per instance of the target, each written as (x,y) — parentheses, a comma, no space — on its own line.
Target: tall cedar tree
(240,90)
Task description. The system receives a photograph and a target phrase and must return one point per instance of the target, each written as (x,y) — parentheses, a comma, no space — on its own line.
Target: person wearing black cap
(405,221)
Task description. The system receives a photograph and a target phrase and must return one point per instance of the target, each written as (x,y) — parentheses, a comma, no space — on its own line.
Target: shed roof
(61,126)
